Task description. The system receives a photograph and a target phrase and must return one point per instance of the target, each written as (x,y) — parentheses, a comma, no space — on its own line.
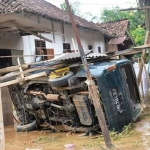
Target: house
(27,24)
(117,37)
(51,17)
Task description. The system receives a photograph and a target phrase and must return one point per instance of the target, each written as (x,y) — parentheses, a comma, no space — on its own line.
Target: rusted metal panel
(117,40)
(111,47)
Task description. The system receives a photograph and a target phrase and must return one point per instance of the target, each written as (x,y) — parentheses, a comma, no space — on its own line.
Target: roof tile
(45,9)
(115,28)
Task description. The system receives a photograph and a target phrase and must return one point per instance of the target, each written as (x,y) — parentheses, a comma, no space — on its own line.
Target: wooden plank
(141,82)
(20,69)
(23,72)
(27,55)
(124,52)
(13,68)
(26,72)
(143,46)
(20,80)
(7,107)
(2,134)
(33,33)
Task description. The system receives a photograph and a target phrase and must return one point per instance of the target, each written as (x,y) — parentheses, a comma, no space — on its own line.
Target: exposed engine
(49,106)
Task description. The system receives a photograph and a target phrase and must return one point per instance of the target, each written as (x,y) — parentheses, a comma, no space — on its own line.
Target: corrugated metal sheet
(67,56)
(117,40)
(96,55)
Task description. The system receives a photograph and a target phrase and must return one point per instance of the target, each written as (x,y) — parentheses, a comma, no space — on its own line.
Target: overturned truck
(62,98)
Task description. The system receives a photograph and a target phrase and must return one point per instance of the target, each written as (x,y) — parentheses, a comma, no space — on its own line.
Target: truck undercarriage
(62,98)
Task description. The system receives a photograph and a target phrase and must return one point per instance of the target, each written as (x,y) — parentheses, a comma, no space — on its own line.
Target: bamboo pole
(20,69)
(141,81)
(143,56)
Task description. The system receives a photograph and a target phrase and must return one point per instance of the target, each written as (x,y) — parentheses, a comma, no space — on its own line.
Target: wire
(134,3)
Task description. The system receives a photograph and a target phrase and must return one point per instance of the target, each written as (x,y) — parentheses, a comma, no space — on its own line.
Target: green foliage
(136,19)
(138,35)
(74,7)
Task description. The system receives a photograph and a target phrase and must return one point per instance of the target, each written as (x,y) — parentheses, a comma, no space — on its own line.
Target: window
(40,49)
(40,43)
(99,49)
(66,47)
(90,47)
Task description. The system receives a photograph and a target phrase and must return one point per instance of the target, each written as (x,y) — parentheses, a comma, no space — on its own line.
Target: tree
(139,35)
(136,19)
(75,7)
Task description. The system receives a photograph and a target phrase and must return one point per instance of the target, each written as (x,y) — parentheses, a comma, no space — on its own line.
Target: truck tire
(27,127)
(62,81)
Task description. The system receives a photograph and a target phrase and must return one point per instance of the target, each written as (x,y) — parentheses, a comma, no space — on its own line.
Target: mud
(137,139)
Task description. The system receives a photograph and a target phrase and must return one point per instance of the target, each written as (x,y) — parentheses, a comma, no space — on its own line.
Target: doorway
(5,61)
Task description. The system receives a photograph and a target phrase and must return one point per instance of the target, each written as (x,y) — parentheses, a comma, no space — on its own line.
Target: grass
(145,114)
(45,139)
(126,132)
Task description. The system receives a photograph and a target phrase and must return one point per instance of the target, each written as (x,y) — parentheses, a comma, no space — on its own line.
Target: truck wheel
(27,127)
(62,81)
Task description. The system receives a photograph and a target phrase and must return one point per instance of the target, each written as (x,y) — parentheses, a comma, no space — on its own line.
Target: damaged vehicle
(62,98)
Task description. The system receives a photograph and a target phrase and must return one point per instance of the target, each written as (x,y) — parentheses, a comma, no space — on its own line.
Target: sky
(96,6)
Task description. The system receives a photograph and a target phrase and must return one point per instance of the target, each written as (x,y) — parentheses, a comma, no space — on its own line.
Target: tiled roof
(47,10)
(115,28)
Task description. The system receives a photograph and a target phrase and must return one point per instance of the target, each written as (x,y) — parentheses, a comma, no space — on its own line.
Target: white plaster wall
(14,59)
(11,41)
(96,39)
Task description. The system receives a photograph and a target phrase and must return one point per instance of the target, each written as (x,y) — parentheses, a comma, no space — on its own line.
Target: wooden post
(143,56)
(91,86)
(2,135)
(20,69)
(141,83)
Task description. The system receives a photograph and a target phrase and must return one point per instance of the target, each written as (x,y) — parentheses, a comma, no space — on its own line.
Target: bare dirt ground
(135,138)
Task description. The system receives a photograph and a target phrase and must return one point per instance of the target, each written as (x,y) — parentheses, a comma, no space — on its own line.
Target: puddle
(144,129)
(45,140)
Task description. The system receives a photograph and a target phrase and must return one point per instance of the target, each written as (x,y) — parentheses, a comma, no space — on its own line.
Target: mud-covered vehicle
(62,98)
